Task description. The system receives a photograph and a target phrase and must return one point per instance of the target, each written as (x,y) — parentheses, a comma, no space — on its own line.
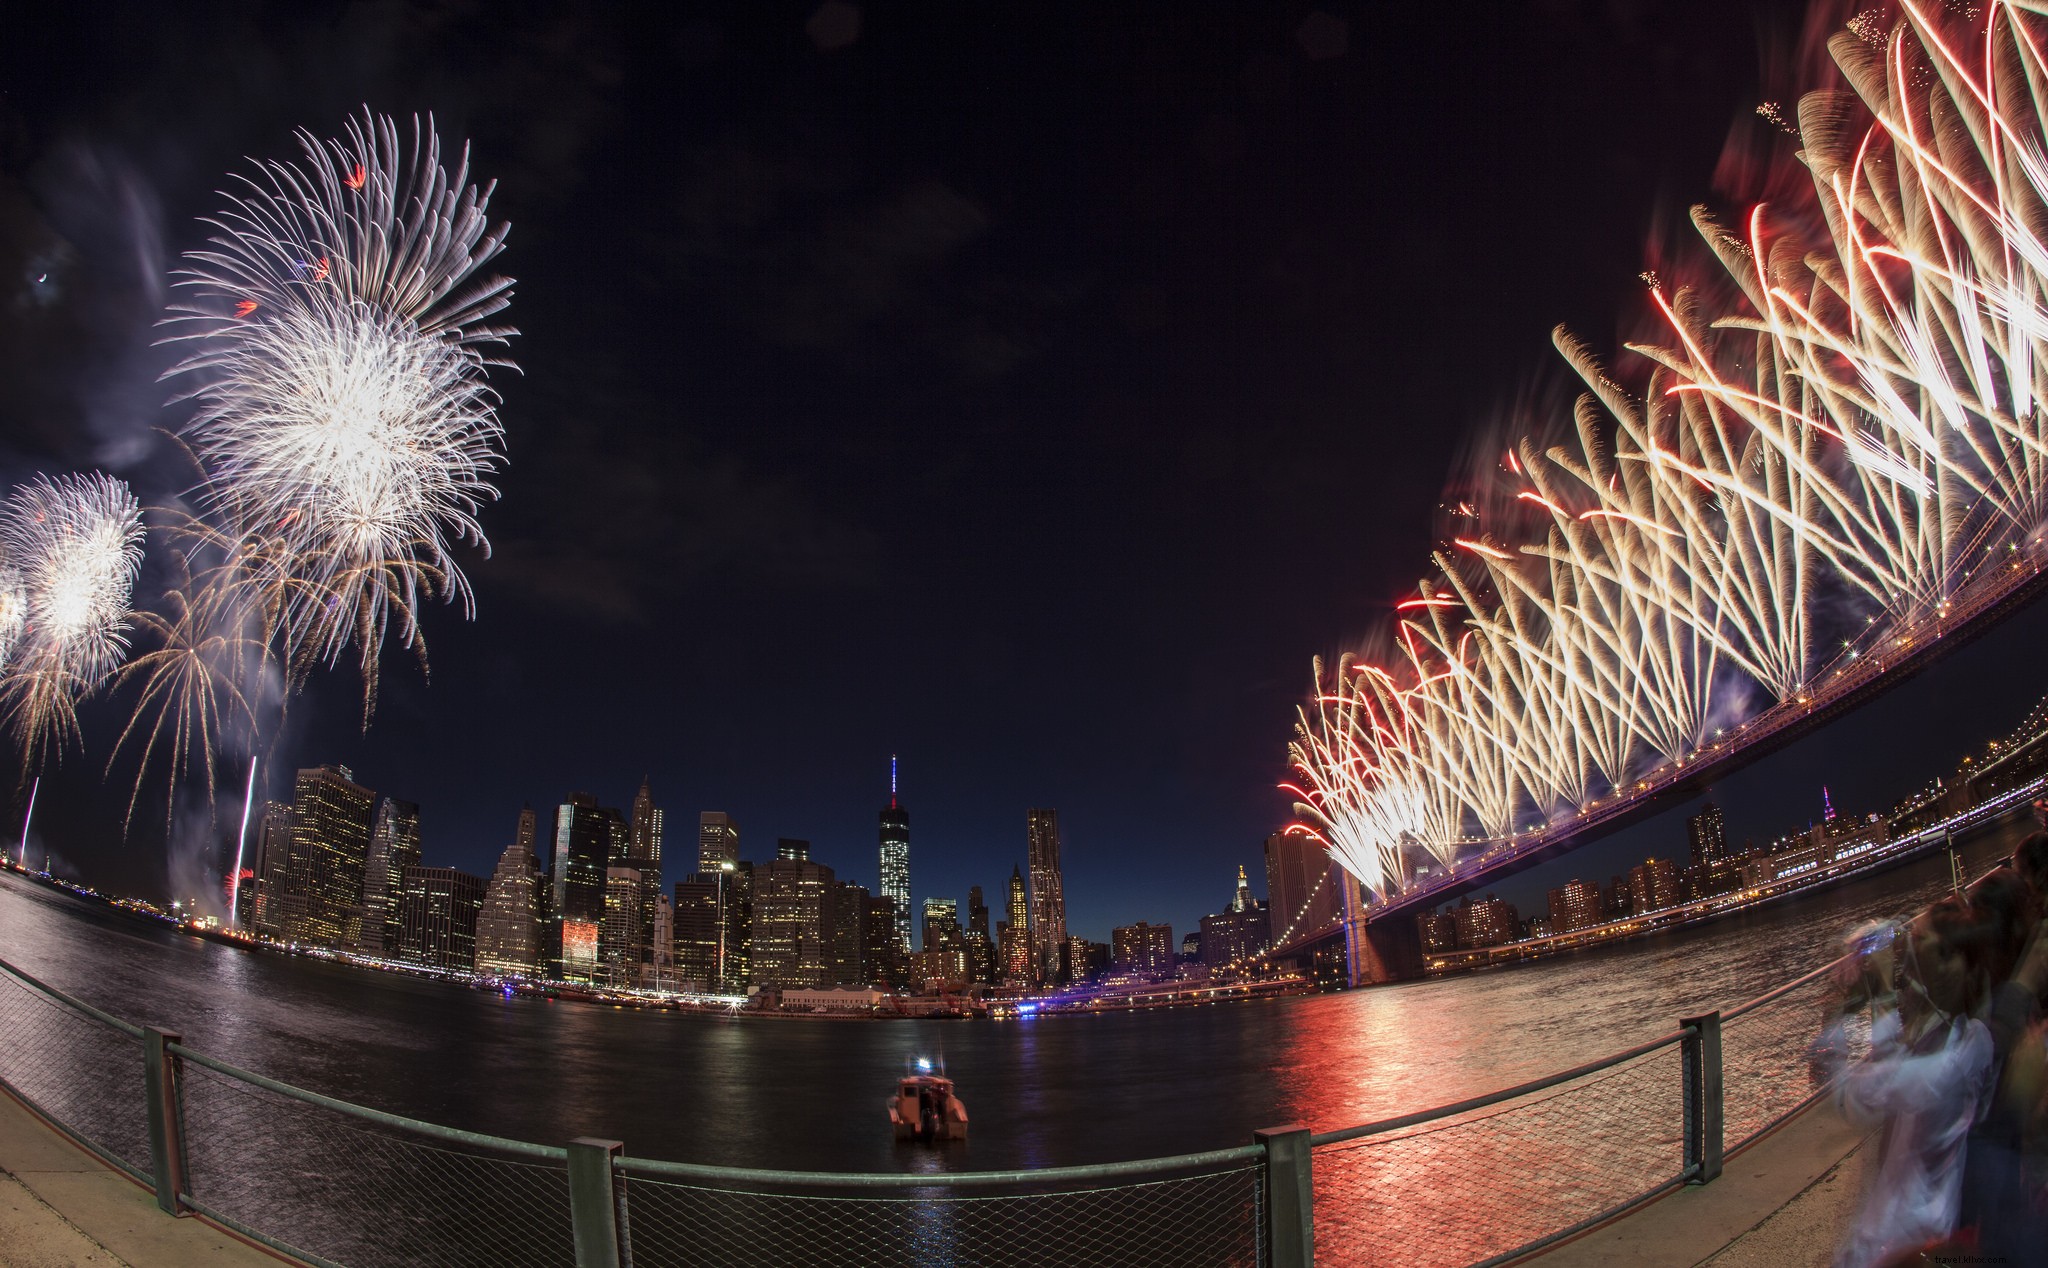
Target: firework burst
(73,545)
(336,324)
(1864,419)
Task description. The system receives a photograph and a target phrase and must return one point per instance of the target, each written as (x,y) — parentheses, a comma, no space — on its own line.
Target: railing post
(1290,1232)
(593,1202)
(166,1118)
(1704,1122)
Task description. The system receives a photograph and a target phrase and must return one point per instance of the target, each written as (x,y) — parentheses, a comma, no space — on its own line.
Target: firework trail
(1864,418)
(336,324)
(72,547)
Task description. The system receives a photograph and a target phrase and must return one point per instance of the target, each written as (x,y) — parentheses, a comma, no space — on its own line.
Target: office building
(881,959)
(1575,905)
(1235,937)
(587,838)
(984,963)
(508,929)
(718,841)
(1708,835)
(437,917)
(624,933)
(262,895)
(895,860)
(792,918)
(1486,923)
(394,846)
(1142,950)
(1048,898)
(1653,886)
(327,851)
(1303,885)
(846,961)
(712,917)
(1015,940)
(644,833)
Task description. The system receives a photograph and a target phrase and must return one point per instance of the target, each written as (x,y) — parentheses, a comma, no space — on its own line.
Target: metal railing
(1481,1180)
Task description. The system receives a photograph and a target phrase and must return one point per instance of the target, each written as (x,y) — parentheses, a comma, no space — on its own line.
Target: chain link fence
(1772,1064)
(1452,1186)
(1208,1217)
(78,1067)
(1475,1182)
(330,1183)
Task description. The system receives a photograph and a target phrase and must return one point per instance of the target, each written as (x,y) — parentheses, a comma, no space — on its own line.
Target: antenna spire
(892,781)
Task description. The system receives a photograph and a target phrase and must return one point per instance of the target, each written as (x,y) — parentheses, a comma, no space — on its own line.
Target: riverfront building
(1487,923)
(1015,934)
(718,841)
(587,838)
(261,898)
(1233,936)
(792,918)
(1142,950)
(437,917)
(327,851)
(1303,885)
(394,846)
(1574,905)
(1707,834)
(713,925)
(882,961)
(1048,895)
(895,861)
(509,926)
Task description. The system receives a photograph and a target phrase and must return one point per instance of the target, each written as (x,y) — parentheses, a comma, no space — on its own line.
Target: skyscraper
(585,836)
(624,932)
(1016,934)
(1708,834)
(1302,885)
(646,828)
(1048,900)
(265,897)
(983,964)
(327,850)
(437,917)
(895,861)
(718,840)
(792,918)
(508,927)
(394,846)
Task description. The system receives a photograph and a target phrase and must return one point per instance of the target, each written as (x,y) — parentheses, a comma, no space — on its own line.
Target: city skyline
(931,451)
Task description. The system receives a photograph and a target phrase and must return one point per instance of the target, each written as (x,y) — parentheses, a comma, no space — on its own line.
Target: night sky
(1030,391)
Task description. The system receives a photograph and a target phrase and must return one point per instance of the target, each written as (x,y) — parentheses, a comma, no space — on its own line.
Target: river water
(807,1094)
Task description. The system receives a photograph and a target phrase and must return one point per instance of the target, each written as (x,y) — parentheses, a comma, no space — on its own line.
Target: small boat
(925,1109)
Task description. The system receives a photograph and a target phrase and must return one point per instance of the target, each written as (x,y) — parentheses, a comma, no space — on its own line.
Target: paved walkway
(1781,1203)
(61,1207)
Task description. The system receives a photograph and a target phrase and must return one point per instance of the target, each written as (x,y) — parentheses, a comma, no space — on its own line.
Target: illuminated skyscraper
(508,928)
(437,917)
(895,869)
(394,846)
(1709,836)
(329,846)
(265,898)
(1016,934)
(1048,899)
(792,918)
(587,838)
(718,841)
(645,846)
(1304,886)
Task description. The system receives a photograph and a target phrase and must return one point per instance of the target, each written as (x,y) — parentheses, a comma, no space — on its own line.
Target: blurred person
(2003,1196)
(2030,860)
(1926,1080)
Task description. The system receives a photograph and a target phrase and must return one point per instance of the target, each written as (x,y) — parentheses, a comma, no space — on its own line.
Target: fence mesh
(1771,1060)
(78,1071)
(1207,1219)
(1463,1189)
(357,1193)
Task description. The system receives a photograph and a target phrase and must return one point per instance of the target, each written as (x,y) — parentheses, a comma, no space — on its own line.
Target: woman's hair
(2005,907)
(2030,859)
(1961,930)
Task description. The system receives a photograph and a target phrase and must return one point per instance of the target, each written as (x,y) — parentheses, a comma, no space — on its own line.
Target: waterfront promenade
(1780,1202)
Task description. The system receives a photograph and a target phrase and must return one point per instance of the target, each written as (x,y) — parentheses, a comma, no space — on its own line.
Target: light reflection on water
(806,1094)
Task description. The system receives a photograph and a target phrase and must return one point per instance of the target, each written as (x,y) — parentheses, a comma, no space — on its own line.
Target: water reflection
(809,1095)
